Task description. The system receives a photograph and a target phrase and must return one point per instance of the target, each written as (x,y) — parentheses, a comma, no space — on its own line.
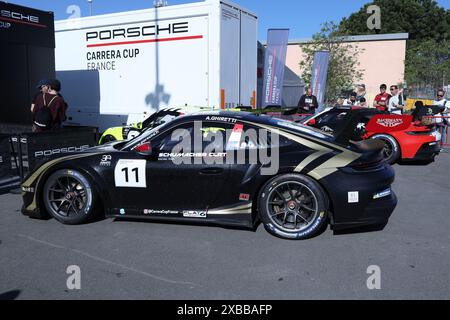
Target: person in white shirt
(439,120)
(351,101)
(441,101)
(397,102)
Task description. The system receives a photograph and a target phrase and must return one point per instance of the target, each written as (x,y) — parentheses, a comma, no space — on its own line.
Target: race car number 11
(130,174)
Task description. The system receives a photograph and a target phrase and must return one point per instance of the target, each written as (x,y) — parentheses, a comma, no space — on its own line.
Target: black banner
(5,157)
(68,140)
(26,26)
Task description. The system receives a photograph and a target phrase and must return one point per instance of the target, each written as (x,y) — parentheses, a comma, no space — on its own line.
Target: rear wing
(369,120)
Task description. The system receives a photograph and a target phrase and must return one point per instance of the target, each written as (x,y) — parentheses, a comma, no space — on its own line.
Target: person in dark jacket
(42,87)
(308,102)
(56,105)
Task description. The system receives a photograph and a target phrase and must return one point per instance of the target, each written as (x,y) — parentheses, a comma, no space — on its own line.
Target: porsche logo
(390,123)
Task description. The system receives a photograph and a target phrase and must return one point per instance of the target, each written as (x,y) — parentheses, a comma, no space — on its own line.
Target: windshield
(146,135)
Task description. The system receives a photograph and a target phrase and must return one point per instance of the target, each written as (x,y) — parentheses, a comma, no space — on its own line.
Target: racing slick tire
(69,197)
(294,207)
(391,151)
(107,139)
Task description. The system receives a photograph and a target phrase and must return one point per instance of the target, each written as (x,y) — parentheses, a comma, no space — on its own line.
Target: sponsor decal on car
(389,123)
(160,212)
(171,156)
(382,194)
(327,129)
(221,119)
(235,138)
(130,173)
(353,197)
(383,123)
(106,161)
(244,197)
(28,189)
(47,153)
(194,214)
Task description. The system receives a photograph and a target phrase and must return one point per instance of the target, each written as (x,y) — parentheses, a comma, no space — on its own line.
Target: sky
(302,17)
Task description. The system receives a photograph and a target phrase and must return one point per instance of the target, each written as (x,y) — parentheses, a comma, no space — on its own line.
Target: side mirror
(144,149)
(311,122)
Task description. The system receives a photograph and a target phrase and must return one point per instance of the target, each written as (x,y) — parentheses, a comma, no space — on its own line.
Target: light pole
(90,7)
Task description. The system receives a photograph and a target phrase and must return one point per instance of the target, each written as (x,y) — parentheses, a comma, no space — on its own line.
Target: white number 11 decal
(130,174)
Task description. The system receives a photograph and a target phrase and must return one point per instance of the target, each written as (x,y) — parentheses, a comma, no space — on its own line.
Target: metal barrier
(5,157)
(442,126)
(27,149)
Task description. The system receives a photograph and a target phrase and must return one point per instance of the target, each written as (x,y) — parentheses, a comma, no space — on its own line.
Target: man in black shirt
(308,102)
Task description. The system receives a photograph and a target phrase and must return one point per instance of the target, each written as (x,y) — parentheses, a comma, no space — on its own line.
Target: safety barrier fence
(20,153)
(441,123)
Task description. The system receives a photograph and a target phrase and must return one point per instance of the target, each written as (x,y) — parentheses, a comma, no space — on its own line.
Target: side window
(170,139)
(207,137)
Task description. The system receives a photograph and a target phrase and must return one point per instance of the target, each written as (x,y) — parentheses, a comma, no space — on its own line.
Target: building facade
(382,59)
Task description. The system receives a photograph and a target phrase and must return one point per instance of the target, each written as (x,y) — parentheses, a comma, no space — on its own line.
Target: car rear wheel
(391,151)
(69,197)
(293,207)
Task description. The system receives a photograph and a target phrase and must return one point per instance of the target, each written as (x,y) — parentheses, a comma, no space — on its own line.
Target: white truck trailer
(119,68)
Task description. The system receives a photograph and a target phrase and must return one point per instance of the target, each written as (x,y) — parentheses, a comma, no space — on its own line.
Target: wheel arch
(391,136)
(328,199)
(92,177)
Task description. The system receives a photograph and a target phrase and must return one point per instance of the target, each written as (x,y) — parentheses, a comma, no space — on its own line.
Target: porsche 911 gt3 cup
(294,179)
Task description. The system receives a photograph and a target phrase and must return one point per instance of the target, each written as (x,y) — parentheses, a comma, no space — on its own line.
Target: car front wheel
(69,197)
(293,207)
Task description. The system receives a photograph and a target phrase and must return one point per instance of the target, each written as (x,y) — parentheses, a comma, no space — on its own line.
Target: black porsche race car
(230,169)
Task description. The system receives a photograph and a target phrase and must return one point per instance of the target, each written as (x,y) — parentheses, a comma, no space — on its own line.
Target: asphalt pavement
(140,260)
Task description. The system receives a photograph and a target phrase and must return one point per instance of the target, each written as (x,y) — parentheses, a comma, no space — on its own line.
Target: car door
(245,145)
(169,181)
(185,179)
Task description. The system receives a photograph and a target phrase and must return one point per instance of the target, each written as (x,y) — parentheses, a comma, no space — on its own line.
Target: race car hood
(45,162)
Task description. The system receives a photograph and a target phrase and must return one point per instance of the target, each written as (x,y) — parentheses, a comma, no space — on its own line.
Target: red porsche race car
(406,138)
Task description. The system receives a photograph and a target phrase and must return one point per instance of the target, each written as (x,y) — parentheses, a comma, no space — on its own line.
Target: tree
(343,71)
(429,62)
(428,26)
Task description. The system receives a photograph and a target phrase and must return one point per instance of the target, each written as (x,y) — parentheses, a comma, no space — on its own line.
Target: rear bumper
(361,198)
(427,152)
(377,213)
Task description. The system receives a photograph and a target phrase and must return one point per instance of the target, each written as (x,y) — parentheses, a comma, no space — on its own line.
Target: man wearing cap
(381,101)
(56,105)
(42,87)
